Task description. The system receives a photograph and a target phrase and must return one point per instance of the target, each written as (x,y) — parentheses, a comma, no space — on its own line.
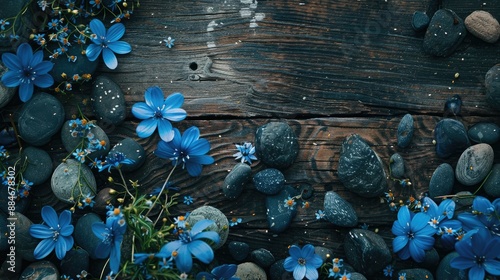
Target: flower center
(108,237)
(479,259)
(411,235)
(185,237)
(301,261)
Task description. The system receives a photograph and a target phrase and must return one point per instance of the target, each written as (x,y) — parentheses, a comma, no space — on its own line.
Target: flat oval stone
(366,251)
(360,169)
(108,100)
(250,271)
(492,84)
(483,25)
(463,198)
(41,270)
(445,271)
(269,181)
(40,118)
(262,257)
(445,32)
(442,180)
(417,273)
(338,211)
(420,21)
(235,181)
(214,214)
(397,166)
(451,137)
(84,236)
(484,132)
(65,178)
(238,250)
(71,143)
(74,262)
(132,150)
(405,131)
(474,164)
(280,216)
(492,184)
(276,145)
(38,165)
(25,243)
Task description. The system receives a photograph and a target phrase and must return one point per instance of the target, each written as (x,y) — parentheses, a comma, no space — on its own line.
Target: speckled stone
(269,181)
(483,25)
(445,33)
(323,252)
(235,181)
(405,131)
(25,243)
(65,178)
(420,21)
(262,257)
(211,213)
(250,271)
(132,150)
(338,211)
(397,165)
(108,100)
(442,180)
(451,137)
(41,270)
(276,145)
(474,164)
(38,165)
(280,216)
(417,273)
(446,272)
(84,236)
(70,143)
(360,168)
(484,132)
(238,250)
(492,184)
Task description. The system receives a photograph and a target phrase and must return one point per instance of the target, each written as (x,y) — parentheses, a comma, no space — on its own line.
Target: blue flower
(111,235)
(191,242)
(107,42)
(53,24)
(55,234)
(26,70)
(245,152)
(345,276)
(188,150)
(3,23)
(234,221)
(437,214)
(115,159)
(388,270)
(95,3)
(222,272)
(156,112)
(449,230)
(484,213)
(413,235)
(188,200)
(169,42)
(303,262)
(88,200)
(402,276)
(335,270)
(320,215)
(289,202)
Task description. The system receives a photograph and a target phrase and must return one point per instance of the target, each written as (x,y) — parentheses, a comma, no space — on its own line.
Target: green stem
(161,191)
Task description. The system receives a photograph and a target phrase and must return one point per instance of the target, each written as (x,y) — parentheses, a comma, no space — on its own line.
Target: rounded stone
(431,260)
(132,150)
(74,262)
(6,93)
(483,25)
(484,132)
(397,165)
(474,164)
(40,118)
(238,250)
(417,273)
(41,270)
(278,272)
(360,169)
(405,131)
(269,181)
(453,105)
(262,257)
(108,100)
(64,181)
(445,33)
(492,184)
(366,251)
(72,143)
(81,66)
(451,137)
(323,252)
(357,276)
(492,84)
(250,271)
(442,180)
(338,211)
(25,243)
(276,145)
(445,271)
(278,215)
(84,236)
(211,213)
(102,200)
(420,21)
(235,181)
(38,165)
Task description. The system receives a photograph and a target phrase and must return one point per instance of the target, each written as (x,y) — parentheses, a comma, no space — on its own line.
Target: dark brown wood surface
(327,68)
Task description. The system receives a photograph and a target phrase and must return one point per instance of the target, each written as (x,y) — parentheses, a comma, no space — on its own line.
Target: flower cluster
(81,129)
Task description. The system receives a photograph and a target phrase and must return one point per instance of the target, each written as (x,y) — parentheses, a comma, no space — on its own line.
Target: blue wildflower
(3,23)
(188,200)
(388,270)
(139,258)
(115,159)
(245,152)
(56,233)
(188,150)
(289,202)
(234,221)
(26,70)
(111,235)
(180,221)
(320,215)
(95,3)
(53,24)
(107,42)
(169,42)
(449,230)
(157,112)
(437,214)
(191,242)
(484,213)
(303,262)
(88,200)
(402,276)
(413,235)
(221,272)
(113,4)
(335,270)
(345,276)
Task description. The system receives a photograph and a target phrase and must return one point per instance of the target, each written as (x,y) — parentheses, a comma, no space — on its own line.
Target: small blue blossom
(180,221)
(320,215)
(111,235)
(139,258)
(234,221)
(365,226)
(335,270)
(345,276)
(290,202)
(53,24)
(43,4)
(116,160)
(388,270)
(246,152)
(88,200)
(188,200)
(402,276)
(107,42)
(169,42)
(83,274)
(113,4)
(222,272)
(80,155)
(39,39)
(3,23)
(437,214)
(66,277)
(95,3)
(484,214)
(303,262)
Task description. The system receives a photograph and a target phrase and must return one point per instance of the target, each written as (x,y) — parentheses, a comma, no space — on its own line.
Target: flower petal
(43,67)
(41,231)
(461,263)
(204,159)
(115,32)
(11,79)
(175,114)
(419,222)
(307,251)
(65,218)
(191,134)
(25,91)
(397,229)
(174,100)
(194,169)
(44,248)
(93,51)
(25,53)
(417,253)
(67,230)
(165,130)
(49,215)
(311,273)
(11,61)
(44,81)
(492,267)
(167,249)
(201,250)
(97,28)
(36,59)
(102,250)
(476,272)
(120,47)
(154,97)
(210,235)
(146,128)
(424,242)
(184,261)
(164,150)
(200,226)
(109,58)
(61,248)
(404,217)
(289,264)
(299,272)
(142,111)
(99,229)
(315,261)
(115,257)
(198,147)
(399,243)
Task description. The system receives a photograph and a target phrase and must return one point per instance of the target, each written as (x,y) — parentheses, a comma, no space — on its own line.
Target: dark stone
(279,216)
(484,132)
(338,211)
(7,272)
(306,191)
(66,177)
(40,118)
(8,137)
(360,169)
(420,21)
(405,131)
(108,100)
(132,150)
(84,236)
(278,272)
(235,181)
(211,213)
(42,270)
(6,232)
(103,199)
(276,145)
(474,164)
(442,180)
(357,276)
(21,205)
(418,273)
(445,271)
(397,166)
(323,252)
(38,165)
(492,184)
(72,143)
(445,32)
(238,250)
(453,105)
(250,271)
(25,243)
(431,260)
(366,251)
(6,93)
(80,67)
(262,257)
(74,262)
(269,181)
(492,84)
(451,137)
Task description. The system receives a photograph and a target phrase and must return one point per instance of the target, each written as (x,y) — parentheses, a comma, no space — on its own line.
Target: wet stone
(42,270)
(451,137)
(6,93)
(235,181)
(366,251)
(474,164)
(132,150)
(64,181)
(445,33)
(405,131)
(492,84)
(360,169)
(397,166)
(211,213)
(442,180)
(492,184)
(269,181)
(453,106)
(84,236)
(25,243)
(74,262)
(262,257)
(276,145)
(279,216)
(250,271)
(484,132)
(38,165)
(323,252)
(81,66)
(357,276)
(420,21)
(238,250)
(108,100)
(71,143)
(278,272)
(483,25)
(338,211)
(40,118)
(445,271)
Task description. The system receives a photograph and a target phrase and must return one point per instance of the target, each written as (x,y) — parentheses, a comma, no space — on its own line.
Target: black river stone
(276,145)
(445,32)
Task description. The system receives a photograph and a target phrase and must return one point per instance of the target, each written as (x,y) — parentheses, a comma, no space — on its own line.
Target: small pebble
(445,271)
(483,25)
(451,137)
(474,164)
(65,178)
(250,271)
(132,150)
(84,236)
(405,131)
(108,100)
(279,216)
(445,33)
(238,250)
(38,165)
(269,181)
(276,145)
(397,166)
(420,21)
(442,180)
(211,213)
(453,105)
(338,211)
(366,251)
(235,181)
(484,132)
(70,143)
(262,257)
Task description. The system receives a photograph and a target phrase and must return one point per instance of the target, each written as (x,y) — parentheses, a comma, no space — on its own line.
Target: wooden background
(327,68)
